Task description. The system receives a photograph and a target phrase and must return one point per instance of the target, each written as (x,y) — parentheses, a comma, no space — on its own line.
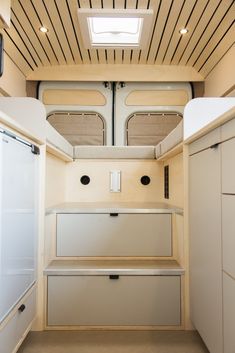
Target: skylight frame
(146,25)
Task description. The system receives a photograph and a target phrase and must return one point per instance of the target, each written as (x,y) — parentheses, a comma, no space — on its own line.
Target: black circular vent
(85,180)
(145,180)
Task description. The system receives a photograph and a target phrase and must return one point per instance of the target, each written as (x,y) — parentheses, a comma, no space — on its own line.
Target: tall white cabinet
(212,237)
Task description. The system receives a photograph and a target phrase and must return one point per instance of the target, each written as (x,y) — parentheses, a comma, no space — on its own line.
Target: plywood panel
(225,44)
(198,31)
(158,30)
(73,7)
(154,5)
(32,50)
(98,189)
(55,34)
(209,30)
(44,38)
(181,23)
(218,35)
(170,26)
(191,25)
(157,98)
(73,97)
(23,18)
(55,180)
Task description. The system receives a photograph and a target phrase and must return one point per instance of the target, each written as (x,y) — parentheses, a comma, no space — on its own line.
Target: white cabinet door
(228,166)
(101,300)
(106,235)
(228,233)
(205,246)
(17,221)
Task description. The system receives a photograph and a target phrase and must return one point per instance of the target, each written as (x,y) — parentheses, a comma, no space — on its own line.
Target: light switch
(115,181)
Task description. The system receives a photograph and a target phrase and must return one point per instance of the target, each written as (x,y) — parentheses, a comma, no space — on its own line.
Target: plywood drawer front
(228,233)
(228,166)
(204,142)
(123,235)
(229,314)
(99,300)
(14,330)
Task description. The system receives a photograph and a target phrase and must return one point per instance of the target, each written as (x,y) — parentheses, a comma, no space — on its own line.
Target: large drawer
(229,313)
(114,235)
(228,234)
(99,300)
(12,334)
(228,167)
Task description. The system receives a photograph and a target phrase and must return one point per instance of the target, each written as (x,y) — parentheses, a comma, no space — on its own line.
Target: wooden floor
(113,342)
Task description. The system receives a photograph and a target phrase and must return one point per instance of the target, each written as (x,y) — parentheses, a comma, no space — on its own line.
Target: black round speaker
(145,180)
(85,180)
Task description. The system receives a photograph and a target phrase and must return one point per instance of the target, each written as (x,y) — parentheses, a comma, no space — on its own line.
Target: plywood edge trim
(58,153)
(171,153)
(116,72)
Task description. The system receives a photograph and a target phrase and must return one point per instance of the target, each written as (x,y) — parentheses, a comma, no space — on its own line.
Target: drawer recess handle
(114,277)
(113,214)
(22,308)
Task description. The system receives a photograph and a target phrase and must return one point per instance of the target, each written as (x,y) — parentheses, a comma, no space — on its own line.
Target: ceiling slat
(172,20)
(53,24)
(130,4)
(64,29)
(181,23)
(26,40)
(224,45)
(26,25)
(217,36)
(142,4)
(15,56)
(44,37)
(96,4)
(118,56)
(73,7)
(119,4)
(154,5)
(108,4)
(224,5)
(192,23)
(207,14)
(20,44)
(158,30)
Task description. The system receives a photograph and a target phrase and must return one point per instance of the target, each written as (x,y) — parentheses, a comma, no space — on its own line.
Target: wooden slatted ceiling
(210,23)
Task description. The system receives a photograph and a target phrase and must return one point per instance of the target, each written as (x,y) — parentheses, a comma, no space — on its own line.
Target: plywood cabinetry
(212,239)
(205,246)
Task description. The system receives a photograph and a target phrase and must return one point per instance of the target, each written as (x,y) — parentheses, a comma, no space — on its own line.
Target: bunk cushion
(106,152)
(58,141)
(170,141)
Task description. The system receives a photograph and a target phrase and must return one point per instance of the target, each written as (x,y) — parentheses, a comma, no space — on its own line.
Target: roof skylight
(124,31)
(115,28)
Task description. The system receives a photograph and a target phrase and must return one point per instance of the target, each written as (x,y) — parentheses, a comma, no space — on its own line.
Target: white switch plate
(115,181)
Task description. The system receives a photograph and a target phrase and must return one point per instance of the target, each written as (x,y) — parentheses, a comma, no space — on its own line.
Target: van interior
(117,176)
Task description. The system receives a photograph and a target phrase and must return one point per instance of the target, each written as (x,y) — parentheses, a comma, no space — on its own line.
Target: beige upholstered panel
(157,98)
(148,129)
(79,128)
(73,97)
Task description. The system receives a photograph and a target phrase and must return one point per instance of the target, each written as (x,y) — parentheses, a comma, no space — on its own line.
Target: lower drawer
(103,300)
(13,332)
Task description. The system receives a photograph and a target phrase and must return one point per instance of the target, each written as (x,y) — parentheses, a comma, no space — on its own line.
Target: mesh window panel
(148,129)
(79,128)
